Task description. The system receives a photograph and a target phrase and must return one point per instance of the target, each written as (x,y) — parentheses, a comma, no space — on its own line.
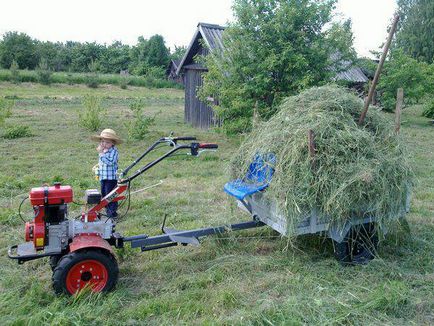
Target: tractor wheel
(359,246)
(87,268)
(54,260)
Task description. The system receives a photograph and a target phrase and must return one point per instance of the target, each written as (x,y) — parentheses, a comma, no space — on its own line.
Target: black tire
(359,246)
(54,260)
(87,268)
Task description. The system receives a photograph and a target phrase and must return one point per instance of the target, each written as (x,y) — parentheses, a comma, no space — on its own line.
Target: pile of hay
(355,169)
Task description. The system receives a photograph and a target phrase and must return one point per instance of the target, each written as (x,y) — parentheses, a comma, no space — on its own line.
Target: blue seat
(258,177)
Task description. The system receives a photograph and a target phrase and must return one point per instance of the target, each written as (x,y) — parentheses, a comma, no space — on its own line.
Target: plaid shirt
(108,164)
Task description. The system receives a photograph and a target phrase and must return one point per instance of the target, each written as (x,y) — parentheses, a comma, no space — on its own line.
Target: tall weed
(44,72)
(17,131)
(138,127)
(90,116)
(5,110)
(429,110)
(15,73)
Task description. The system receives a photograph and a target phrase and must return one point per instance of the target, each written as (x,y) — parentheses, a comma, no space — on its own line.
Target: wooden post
(378,71)
(255,120)
(399,101)
(311,139)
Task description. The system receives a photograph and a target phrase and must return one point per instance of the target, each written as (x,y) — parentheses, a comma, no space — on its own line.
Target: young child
(108,165)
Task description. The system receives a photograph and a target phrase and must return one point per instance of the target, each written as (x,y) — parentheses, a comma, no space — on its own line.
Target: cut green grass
(242,278)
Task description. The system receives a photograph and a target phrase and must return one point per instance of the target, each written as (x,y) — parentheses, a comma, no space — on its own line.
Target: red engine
(49,205)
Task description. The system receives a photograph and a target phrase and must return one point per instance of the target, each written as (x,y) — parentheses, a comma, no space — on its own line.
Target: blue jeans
(106,187)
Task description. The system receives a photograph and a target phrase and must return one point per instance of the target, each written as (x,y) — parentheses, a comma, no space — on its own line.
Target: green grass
(83,78)
(245,278)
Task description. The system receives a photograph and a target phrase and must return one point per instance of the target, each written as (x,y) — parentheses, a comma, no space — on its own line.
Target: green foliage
(17,131)
(6,107)
(44,72)
(92,80)
(14,73)
(90,116)
(148,54)
(368,66)
(76,56)
(416,30)
(115,58)
(178,53)
(138,127)
(429,110)
(82,78)
(402,71)
(19,47)
(124,83)
(158,54)
(273,49)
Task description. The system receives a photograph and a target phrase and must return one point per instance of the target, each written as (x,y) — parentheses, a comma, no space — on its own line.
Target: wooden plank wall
(196,112)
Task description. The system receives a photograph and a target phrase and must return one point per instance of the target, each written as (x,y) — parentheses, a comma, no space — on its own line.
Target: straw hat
(109,134)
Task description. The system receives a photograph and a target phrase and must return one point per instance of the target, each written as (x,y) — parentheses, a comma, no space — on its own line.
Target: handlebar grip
(208,145)
(185,138)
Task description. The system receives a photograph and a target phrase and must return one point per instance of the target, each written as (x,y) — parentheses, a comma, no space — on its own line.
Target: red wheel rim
(87,273)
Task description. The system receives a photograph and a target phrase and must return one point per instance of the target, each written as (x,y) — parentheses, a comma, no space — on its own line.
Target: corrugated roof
(352,74)
(349,72)
(212,34)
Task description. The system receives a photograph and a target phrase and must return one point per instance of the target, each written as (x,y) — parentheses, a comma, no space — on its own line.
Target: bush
(402,71)
(124,83)
(92,79)
(5,110)
(429,110)
(90,116)
(15,73)
(138,127)
(44,73)
(13,132)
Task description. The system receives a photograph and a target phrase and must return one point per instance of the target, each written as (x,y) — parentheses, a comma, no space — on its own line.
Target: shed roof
(211,34)
(349,72)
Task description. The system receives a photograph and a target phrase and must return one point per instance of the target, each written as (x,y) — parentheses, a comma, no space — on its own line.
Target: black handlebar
(194,147)
(208,145)
(184,138)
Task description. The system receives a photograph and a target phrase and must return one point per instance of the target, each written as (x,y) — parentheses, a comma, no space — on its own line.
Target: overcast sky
(105,21)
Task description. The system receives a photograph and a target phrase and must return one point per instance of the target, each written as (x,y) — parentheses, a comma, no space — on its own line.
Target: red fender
(89,241)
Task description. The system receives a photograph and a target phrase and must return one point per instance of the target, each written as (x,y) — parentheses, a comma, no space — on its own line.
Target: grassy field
(246,278)
(31,76)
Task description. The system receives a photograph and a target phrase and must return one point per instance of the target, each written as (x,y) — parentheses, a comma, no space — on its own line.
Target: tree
(49,53)
(115,58)
(83,54)
(19,47)
(158,54)
(178,53)
(416,30)
(148,54)
(402,71)
(273,49)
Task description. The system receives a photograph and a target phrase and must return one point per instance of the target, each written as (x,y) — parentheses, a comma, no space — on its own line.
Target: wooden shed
(171,71)
(207,37)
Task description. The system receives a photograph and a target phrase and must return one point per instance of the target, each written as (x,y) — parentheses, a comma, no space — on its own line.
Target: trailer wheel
(359,246)
(87,268)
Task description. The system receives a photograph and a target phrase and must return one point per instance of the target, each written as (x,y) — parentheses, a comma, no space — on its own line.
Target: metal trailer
(355,242)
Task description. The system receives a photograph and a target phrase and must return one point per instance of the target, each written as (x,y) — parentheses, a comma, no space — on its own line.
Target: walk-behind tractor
(81,249)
